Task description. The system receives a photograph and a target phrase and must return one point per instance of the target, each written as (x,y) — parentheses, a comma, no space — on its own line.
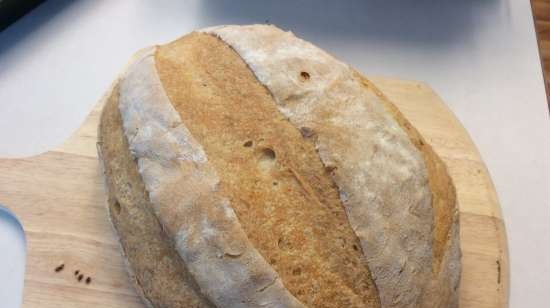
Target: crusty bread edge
(424,148)
(453,233)
(103,101)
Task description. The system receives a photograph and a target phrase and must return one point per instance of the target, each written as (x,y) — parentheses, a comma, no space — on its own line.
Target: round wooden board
(59,197)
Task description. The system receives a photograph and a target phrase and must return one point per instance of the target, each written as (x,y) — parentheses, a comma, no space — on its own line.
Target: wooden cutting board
(60,199)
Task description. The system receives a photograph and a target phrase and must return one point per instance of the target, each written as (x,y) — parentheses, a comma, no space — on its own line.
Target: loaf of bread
(246,167)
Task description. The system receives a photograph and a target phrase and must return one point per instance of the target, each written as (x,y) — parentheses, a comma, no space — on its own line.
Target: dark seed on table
(59,268)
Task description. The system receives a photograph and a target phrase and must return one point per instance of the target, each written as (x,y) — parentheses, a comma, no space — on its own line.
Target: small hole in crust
(268,154)
(297,271)
(355,247)
(306,131)
(116,207)
(305,76)
(266,160)
(284,244)
(248,144)
(275,183)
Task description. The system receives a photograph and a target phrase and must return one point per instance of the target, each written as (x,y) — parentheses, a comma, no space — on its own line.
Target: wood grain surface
(59,198)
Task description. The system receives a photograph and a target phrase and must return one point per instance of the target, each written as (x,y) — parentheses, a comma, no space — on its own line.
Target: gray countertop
(480,56)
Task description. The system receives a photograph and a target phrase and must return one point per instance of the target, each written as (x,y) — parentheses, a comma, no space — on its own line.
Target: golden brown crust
(157,270)
(277,185)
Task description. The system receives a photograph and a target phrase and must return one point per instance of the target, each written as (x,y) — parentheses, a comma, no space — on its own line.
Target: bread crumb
(59,268)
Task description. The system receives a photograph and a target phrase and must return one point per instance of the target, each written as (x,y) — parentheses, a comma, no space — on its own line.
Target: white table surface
(480,56)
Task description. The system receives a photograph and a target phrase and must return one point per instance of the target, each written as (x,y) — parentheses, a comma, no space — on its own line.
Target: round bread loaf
(248,168)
